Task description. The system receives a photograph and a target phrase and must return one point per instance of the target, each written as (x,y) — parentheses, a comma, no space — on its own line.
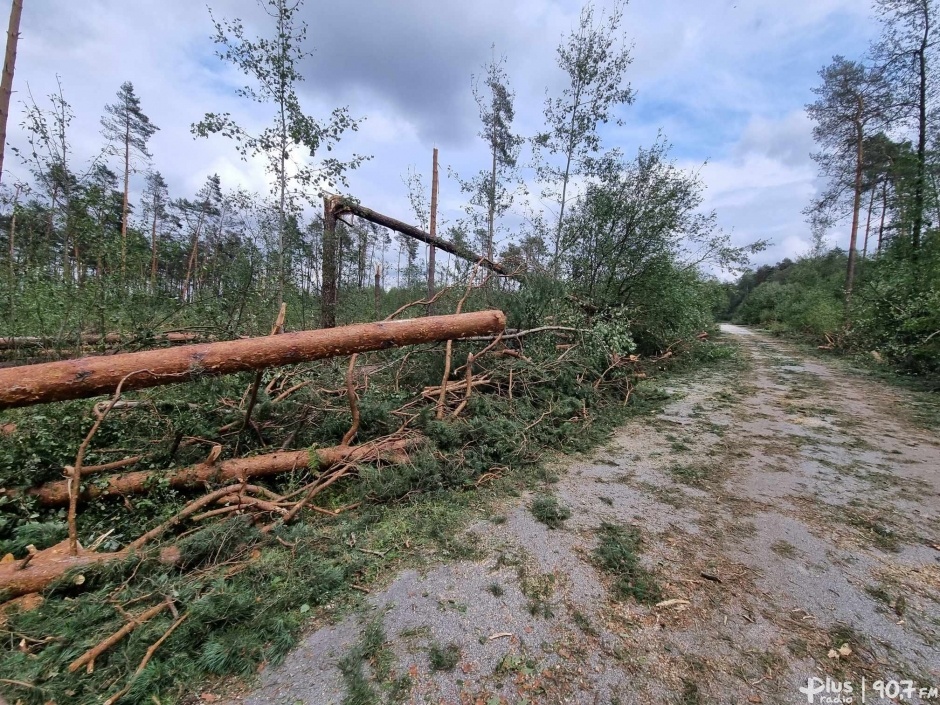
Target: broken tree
(316,460)
(88,377)
(336,206)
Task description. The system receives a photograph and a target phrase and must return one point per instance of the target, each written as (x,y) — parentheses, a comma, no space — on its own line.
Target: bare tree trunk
(378,288)
(328,284)
(91,376)
(340,206)
(6,82)
(153,246)
(432,227)
(884,210)
(124,203)
(919,185)
(856,208)
(12,262)
(871,205)
(53,494)
(193,256)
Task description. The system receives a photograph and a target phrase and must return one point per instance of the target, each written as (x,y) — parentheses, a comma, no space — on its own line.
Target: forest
(877,136)
(184,531)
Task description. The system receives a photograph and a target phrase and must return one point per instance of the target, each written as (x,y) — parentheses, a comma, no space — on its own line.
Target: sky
(725,82)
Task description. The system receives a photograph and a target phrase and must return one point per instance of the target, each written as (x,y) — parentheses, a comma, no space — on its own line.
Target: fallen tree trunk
(47,566)
(340,206)
(92,376)
(57,493)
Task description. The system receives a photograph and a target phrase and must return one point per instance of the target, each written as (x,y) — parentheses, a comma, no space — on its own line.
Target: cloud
(726,81)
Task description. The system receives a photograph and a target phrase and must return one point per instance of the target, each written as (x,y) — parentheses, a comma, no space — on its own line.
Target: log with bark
(88,377)
(54,494)
(339,206)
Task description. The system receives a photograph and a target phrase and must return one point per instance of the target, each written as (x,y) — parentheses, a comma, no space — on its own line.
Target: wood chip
(672,603)
(500,635)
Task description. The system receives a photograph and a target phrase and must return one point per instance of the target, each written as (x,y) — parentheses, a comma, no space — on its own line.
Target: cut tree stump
(93,376)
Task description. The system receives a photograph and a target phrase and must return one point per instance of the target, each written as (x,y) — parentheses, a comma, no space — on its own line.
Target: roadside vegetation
(877,153)
(603,294)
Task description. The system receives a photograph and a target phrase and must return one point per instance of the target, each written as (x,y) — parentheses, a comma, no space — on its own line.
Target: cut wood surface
(92,376)
(340,206)
(57,493)
(46,566)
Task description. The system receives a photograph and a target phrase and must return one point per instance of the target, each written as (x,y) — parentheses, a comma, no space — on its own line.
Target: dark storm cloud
(415,56)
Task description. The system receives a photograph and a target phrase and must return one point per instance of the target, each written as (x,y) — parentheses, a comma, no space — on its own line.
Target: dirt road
(789,513)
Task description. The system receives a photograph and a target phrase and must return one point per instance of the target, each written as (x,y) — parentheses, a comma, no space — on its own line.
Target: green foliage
(548,511)
(617,554)
(444,657)
(895,307)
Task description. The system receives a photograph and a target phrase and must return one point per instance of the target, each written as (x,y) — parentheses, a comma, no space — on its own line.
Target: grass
(880,535)
(371,651)
(617,554)
(495,589)
(547,510)
(249,596)
(583,623)
(694,474)
(784,549)
(443,657)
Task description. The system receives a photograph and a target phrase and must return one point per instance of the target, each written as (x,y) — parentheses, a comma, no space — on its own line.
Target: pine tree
(853,100)
(128,130)
(156,202)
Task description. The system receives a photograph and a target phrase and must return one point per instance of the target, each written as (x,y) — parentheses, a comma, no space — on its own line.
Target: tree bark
(339,206)
(92,376)
(6,81)
(921,134)
(124,202)
(328,283)
(55,494)
(432,226)
(856,207)
(871,206)
(47,566)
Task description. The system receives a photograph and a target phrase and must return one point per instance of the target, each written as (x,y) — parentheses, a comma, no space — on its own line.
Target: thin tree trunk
(153,245)
(6,81)
(378,288)
(328,283)
(921,136)
(884,210)
(194,253)
(124,208)
(564,183)
(856,208)
(491,214)
(341,206)
(871,205)
(432,228)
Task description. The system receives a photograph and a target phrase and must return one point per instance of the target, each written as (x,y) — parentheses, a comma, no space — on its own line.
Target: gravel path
(787,511)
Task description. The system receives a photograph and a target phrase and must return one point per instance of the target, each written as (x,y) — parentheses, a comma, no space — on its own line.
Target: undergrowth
(617,553)
(548,511)
(248,595)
